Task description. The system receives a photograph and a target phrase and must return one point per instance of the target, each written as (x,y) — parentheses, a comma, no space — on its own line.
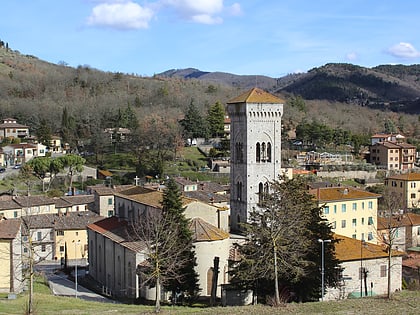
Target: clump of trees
(281,256)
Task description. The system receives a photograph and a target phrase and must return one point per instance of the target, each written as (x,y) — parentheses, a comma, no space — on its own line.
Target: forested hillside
(348,97)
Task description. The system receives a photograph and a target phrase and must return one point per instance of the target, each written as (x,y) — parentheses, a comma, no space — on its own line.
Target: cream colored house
(352,212)
(355,257)
(407,186)
(393,155)
(11,129)
(9,208)
(11,280)
(103,198)
(404,229)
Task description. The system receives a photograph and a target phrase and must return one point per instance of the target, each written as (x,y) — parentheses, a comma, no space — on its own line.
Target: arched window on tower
(266,190)
(239,191)
(260,193)
(268,152)
(263,152)
(258,152)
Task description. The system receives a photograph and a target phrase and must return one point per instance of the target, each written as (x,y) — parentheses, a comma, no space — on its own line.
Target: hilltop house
(11,129)
(352,212)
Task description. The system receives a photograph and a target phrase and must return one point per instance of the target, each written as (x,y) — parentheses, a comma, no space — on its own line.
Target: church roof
(204,231)
(256,95)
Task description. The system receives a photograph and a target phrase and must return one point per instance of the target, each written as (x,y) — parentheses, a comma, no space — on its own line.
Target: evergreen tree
(43,133)
(216,119)
(172,209)
(193,123)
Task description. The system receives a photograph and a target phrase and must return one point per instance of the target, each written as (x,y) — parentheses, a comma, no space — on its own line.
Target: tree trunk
(157,301)
(389,272)
(276,278)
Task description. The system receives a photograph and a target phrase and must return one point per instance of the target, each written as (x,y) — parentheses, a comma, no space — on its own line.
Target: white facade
(255,147)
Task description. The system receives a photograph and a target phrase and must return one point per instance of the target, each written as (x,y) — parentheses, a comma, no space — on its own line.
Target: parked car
(2,170)
(17,166)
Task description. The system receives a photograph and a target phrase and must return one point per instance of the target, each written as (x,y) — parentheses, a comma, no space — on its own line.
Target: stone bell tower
(255,146)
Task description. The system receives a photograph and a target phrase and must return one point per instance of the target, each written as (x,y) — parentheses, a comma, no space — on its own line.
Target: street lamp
(362,243)
(322,266)
(75,267)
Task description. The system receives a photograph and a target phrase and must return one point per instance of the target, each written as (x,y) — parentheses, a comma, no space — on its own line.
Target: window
(258,152)
(61,249)
(370,221)
(383,271)
(363,205)
(39,236)
(77,233)
(418,230)
(327,210)
(413,196)
(354,222)
(43,248)
(335,208)
(353,236)
(354,206)
(343,207)
(109,201)
(363,236)
(60,233)
(370,205)
(343,223)
(268,152)
(370,236)
(110,213)
(413,185)
(15,214)
(363,221)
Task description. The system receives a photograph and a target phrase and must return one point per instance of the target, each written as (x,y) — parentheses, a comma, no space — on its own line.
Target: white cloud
(404,50)
(202,11)
(120,14)
(351,56)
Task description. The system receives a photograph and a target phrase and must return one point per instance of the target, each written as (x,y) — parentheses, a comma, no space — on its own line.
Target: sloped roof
(256,95)
(79,199)
(407,176)
(119,232)
(206,232)
(107,191)
(31,201)
(341,193)
(69,221)
(406,219)
(9,228)
(349,249)
(9,205)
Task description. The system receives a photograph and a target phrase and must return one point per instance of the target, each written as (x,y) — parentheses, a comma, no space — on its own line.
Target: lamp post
(322,266)
(362,243)
(75,267)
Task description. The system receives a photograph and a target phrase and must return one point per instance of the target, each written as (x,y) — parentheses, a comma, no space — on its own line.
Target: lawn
(404,302)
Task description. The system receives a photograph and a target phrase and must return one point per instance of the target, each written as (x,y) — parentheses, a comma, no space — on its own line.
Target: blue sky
(267,37)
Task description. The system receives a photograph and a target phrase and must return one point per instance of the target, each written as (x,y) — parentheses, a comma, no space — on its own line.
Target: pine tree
(216,119)
(172,209)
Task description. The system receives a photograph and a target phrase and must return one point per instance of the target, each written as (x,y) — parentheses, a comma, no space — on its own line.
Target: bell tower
(255,148)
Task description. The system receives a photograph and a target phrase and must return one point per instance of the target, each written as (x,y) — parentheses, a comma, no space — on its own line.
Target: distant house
(382,137)
(11,280)
(355,258)
(11,129)
(19,153)
(118,134)
(393,155)
(352,212)
(103,198)
(56,146)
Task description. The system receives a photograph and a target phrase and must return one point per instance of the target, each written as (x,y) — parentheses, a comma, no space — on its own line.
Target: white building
(255,145)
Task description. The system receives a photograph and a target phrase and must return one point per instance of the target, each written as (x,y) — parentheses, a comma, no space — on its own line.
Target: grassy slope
(405,302)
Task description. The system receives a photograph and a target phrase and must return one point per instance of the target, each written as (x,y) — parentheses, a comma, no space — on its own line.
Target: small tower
(255,147)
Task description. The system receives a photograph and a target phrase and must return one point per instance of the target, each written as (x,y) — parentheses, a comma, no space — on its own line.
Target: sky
(246,37)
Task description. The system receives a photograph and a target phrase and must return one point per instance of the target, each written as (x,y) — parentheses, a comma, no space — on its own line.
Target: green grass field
(404,302)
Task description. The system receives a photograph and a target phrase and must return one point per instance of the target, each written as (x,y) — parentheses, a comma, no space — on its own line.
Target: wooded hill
(339,95)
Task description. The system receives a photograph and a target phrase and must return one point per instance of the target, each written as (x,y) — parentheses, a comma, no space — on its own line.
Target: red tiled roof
(256,95)
(406,219)
(9,229)
(204,231)
(407,176)
(341,193)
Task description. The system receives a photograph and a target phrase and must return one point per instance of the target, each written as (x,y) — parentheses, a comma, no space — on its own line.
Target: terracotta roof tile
(31,201)
(256,95)
(349,249)
(204,231)
(341,193)
(9,229)
(406,177)
(69,221)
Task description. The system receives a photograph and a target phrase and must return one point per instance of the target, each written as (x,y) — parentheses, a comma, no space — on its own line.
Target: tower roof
(256,95)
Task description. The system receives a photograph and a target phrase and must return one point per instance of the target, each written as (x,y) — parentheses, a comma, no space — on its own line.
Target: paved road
(61,285)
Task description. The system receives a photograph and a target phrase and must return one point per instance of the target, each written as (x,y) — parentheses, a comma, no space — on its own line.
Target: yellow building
(407,186)
(351,212)
(10,256)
